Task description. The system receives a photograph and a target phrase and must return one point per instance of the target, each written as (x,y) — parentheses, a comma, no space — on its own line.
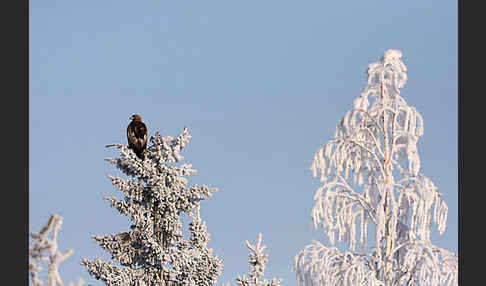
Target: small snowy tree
(258,261)
(370,174)
(45,249)
(154,251)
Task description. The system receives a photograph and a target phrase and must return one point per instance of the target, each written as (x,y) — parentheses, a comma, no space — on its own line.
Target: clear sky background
(260,86)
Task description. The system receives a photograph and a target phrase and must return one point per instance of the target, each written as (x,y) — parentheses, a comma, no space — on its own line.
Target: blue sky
(260,86)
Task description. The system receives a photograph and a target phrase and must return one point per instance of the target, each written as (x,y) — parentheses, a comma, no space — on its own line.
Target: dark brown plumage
(137,136)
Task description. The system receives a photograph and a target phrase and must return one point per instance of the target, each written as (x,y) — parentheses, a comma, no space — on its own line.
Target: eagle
(137,136)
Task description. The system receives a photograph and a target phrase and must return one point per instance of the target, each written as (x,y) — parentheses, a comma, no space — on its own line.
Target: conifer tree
(258,261)
(370,175)
(155,196)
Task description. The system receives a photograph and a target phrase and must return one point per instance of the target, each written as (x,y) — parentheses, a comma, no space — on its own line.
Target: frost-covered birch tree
(370,175)
(155,196)
(44,249)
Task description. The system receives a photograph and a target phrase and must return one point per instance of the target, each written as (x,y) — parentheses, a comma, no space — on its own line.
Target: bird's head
(135,117)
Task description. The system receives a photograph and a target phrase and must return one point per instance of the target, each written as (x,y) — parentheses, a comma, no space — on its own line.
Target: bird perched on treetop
(137,136)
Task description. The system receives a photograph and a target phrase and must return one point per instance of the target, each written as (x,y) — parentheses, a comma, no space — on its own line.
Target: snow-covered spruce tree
(370,174)
(154,251)
(45,249)
(258,261)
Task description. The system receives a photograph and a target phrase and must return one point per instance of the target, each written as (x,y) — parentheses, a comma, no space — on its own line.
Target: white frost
(370,174)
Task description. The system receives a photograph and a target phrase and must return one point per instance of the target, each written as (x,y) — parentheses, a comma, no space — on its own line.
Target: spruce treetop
(155,196)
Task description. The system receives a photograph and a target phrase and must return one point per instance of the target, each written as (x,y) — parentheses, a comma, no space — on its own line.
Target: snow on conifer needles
(370,173)
(153,251)
(258,261)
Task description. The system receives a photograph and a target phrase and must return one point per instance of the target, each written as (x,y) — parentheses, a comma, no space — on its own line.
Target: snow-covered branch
(317,264)
(45,249)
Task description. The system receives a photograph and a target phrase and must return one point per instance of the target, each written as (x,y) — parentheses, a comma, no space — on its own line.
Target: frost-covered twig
(317,264)
(45,249)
